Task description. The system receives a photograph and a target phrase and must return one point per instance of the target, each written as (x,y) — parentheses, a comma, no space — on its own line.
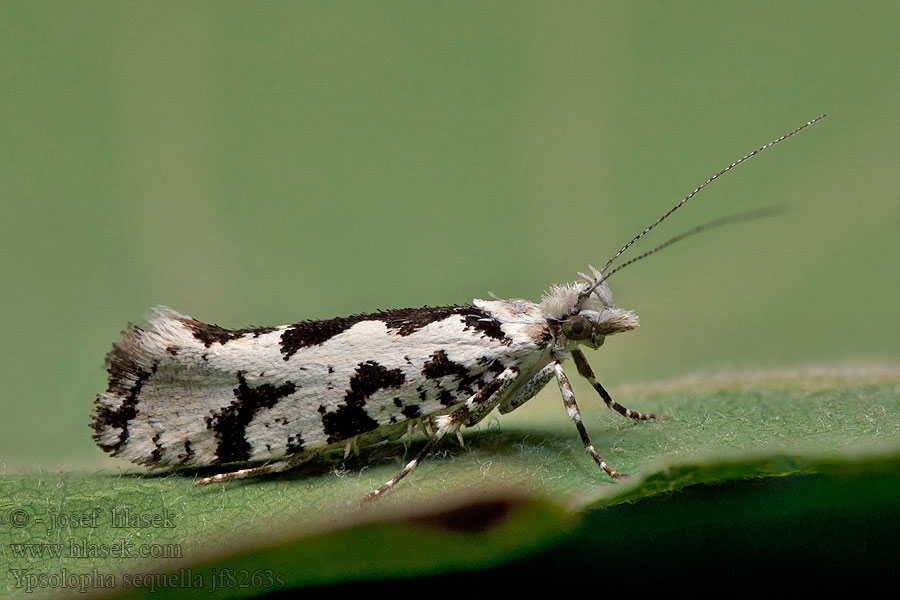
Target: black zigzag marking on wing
(440,365)
(350,418)
(209,334)
(403,322)
(230,423)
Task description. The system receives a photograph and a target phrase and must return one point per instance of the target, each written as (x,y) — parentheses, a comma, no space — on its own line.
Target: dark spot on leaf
(476,517)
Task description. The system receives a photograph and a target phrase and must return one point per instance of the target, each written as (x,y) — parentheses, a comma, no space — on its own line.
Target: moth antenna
(595,283)
(767,211)
(706,183)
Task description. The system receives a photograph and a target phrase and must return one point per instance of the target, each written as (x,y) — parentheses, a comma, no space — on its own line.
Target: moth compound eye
(576,327)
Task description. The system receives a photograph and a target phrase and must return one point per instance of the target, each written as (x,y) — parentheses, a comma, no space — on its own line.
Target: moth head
(585,321)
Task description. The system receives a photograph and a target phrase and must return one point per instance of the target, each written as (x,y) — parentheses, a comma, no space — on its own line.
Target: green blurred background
(259,163)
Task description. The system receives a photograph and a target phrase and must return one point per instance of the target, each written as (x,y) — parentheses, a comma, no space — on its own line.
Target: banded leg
(568,395)
(483,411)
(510,403)
(452,422)
(275,467)
(584,369)
(529,390)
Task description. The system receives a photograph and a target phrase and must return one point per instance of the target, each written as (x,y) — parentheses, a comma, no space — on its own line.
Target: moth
(182,393)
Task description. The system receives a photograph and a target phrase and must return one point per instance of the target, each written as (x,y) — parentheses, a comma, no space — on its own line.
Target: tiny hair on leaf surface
(744,427)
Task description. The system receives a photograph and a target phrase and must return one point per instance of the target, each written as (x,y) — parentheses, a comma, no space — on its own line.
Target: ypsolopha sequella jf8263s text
(182,393)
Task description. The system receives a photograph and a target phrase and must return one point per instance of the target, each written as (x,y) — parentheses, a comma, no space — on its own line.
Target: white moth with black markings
(182,393)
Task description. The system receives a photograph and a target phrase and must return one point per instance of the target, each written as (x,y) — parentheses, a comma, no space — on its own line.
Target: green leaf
(524,491)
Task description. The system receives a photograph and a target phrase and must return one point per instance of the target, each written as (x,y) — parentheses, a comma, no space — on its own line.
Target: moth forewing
(184,393)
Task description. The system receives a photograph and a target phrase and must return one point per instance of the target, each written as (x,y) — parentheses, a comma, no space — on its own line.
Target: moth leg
(275,467)
(451,422)
(479,416)
(529,390)
(572,409)
(352,446)
(510,403)
(424,425)
(584,369)
(479,413)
